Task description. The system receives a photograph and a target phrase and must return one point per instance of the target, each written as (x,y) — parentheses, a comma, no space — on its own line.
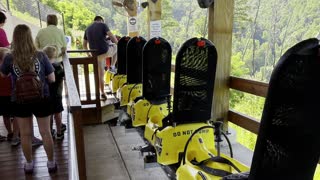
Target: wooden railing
(85,73)
(251,87)
(77,162)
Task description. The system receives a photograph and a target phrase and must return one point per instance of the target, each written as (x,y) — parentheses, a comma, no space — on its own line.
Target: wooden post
(154,14)
(132,26)
(220,27)
(77,118)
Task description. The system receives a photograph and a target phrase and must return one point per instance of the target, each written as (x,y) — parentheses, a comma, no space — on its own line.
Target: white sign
(155,29)
(132,24)
(68,41)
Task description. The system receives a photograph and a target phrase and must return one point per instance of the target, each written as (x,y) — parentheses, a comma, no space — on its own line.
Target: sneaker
(113,70)
(52,166)
(15,141)
(9,136)
(59,136)
(103,97)
(2,138)
(36,142)
(53,133)
(28,167)
(63,127)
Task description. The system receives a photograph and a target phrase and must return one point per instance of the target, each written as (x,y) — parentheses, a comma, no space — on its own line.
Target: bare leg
(101,79)
(26,130)
(15,128)
(44,128)
(114,58)
(101,71)
(7,123)
(58,119)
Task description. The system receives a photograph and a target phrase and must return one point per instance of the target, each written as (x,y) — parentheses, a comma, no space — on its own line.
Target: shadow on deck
(12,159)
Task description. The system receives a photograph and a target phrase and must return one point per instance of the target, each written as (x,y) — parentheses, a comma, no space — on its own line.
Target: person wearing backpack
(26,65)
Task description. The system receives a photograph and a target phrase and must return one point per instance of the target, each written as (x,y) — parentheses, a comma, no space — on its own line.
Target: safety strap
(155,132)
(214,171)
(131,91)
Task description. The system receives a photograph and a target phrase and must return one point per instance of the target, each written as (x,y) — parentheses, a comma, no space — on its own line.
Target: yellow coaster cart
(192,103)
(119,79)
(133,87)
(156,83)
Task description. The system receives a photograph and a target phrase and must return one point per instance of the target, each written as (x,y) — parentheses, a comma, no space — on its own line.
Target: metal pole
(64,29)
(8,5)
(38,3)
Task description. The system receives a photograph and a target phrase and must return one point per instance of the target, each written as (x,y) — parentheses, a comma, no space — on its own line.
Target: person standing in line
(26,58)
(3,36)
(5,91)
(53,36)
(56,89)
(96,36)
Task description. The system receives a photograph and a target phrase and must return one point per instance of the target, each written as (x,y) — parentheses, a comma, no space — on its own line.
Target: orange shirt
(5,86)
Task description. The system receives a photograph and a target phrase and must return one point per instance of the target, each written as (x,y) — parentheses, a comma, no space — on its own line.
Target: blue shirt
(45,69)
(96,34)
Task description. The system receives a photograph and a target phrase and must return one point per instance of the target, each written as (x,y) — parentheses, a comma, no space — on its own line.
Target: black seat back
(194,81)
(122,55)
(288,144)
(157,54)
(134,60)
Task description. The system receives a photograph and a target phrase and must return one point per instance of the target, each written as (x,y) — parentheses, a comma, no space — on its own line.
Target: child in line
(56,93)
(6,105)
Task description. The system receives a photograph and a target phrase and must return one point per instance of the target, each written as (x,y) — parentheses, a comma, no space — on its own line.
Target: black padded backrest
(194,81)
(134,60)
(288,144)
(122,55)
(157,54)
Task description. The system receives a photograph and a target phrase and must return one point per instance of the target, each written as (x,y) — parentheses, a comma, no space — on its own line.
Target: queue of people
(41,60)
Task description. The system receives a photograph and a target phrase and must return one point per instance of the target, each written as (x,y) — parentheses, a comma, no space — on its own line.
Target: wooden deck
(12,158)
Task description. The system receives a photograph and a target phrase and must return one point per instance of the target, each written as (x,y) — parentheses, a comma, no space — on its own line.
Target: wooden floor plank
(12,159)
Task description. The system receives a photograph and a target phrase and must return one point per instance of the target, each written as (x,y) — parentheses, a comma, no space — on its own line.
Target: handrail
(249,123)
(77,162)
(249,86)
(81,51)
(71,88)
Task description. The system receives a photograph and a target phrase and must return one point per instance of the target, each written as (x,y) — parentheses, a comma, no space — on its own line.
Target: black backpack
(28,87)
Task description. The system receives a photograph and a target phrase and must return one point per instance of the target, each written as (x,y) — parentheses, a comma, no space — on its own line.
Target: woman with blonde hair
(24,57)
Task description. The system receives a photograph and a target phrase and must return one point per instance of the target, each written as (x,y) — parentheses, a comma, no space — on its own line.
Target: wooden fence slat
(76,76)
(244,121)
(87,81)
(249,86)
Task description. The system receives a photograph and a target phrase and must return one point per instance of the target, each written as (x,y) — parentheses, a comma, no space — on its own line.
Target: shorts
(5,106)
(38,109)
(102,57)
(56,105)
